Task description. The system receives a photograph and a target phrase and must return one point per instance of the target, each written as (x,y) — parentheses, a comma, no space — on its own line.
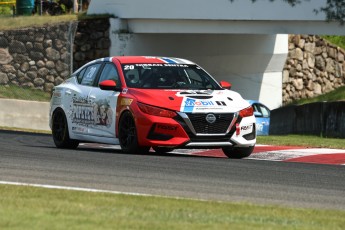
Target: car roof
(153,60)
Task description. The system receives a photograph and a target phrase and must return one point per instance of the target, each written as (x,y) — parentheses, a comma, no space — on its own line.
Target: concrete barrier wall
(24,114)
(325,119)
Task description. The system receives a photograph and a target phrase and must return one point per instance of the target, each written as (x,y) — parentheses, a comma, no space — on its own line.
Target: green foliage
(24,207)
(336,40)
(335,95)
(6,9)
(16,92)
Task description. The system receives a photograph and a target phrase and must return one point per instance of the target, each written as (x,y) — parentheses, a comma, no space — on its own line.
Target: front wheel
(238,152)
(128,137)
(60,131)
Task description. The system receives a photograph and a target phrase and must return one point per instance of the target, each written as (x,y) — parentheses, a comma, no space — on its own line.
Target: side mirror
(225,85)
(108,85)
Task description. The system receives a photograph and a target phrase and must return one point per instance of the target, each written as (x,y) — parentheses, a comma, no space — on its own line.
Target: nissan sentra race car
(143,102)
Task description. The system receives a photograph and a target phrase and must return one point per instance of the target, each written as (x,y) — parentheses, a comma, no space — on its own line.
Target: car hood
(194,101)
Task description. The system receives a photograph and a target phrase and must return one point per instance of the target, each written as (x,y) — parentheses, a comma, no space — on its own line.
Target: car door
(262,115)
(81,108)
(104,104)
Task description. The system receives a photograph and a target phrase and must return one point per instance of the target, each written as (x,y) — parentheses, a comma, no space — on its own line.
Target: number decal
(128,67)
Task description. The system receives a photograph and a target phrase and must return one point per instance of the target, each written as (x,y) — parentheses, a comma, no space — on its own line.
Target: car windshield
(168,76)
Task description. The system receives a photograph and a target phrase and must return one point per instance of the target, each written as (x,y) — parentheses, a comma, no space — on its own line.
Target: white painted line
(97,191)
(314,151)
(72,188)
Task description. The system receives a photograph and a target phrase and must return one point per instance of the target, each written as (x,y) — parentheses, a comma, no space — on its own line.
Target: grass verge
(335,95)
(302,140)
(9,22)
(16,92)
(24,207)
(336,40)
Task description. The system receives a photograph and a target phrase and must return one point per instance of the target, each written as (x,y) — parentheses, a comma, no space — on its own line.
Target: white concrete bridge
(241,42)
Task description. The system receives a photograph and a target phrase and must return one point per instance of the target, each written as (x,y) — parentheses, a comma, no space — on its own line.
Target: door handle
(68,92)
(92,96)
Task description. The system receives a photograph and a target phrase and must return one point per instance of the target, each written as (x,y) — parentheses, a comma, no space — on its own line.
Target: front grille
(200,124)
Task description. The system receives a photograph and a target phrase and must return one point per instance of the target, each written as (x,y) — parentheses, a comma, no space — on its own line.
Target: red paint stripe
(332,159)
(257,149)
(211,153)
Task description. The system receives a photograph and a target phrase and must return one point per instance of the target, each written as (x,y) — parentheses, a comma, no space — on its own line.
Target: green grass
(23,207)
(9,22)
(336,40)
(302,140)
(16,92)
(335,95)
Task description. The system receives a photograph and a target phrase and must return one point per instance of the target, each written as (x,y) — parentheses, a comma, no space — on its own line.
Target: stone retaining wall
(40,57)
(36,57)
(91,41)
(313,67)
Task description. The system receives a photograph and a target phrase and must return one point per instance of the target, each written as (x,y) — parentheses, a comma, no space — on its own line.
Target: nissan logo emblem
(211,118)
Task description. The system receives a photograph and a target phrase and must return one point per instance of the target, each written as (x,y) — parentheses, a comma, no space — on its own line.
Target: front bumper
(186,131)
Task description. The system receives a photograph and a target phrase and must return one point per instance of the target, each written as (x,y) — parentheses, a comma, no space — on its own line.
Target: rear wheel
(60,131)
(128,135)
(238,152)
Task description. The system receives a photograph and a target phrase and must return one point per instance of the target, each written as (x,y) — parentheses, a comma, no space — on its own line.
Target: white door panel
(104,110)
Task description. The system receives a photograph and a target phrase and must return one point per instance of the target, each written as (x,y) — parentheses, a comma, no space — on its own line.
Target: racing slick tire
(238,152)
(128,137)
(60,131)
(162,149)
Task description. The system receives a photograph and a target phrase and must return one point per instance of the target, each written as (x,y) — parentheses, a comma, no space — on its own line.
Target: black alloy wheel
(128,135)
(60,131)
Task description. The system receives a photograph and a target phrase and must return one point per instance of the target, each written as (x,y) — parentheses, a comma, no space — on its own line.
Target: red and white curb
(289,154)
(265,152)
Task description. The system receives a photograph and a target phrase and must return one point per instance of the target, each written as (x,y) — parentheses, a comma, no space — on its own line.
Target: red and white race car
(144,102)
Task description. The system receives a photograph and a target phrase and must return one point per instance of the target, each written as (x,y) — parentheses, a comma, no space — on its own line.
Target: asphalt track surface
(33,158)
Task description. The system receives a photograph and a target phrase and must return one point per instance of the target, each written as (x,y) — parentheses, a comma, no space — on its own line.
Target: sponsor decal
(192,102)
(79,129)
(246,129)
(125,90)
(86,112)
(126,101)
(189,104)
(147,66)
(260,127)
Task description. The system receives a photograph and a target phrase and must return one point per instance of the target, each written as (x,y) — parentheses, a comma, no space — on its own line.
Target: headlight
(247,112)
(156,111)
